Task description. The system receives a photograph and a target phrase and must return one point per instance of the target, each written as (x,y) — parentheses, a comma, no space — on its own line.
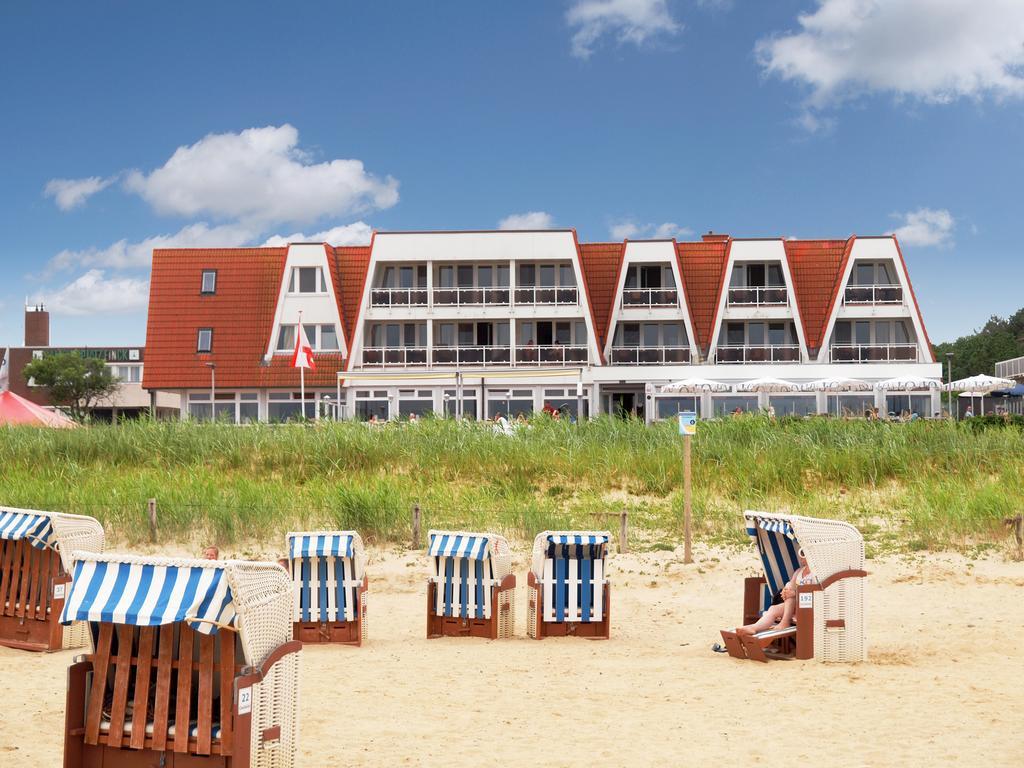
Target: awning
(146,595)
(458,545)
(776,543)
(320,545)
(577,538)
(36,528)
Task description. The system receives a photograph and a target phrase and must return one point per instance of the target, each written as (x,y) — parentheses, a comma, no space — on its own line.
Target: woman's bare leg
(768,618)
(788,609)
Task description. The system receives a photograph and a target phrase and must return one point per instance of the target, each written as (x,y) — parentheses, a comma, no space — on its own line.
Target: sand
(945,680)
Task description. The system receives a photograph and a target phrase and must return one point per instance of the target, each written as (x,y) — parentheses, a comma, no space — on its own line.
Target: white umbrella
(696,386)
(768,384)
(979,385)
(837,384)
(907,384)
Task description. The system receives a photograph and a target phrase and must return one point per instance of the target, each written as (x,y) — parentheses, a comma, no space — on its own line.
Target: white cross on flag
(303,357)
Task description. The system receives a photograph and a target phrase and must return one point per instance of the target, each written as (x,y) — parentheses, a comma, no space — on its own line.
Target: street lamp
(213,389)
(949,380)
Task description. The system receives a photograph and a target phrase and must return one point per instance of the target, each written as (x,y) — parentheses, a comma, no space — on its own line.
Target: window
(862,330)
(286,338)
(209,284)
(734,334)
(204,342)
(307,280)
(566,276)
(775,275)
(464,274)
(650,335)
(484,276)
(131,374)
(755,275)
(631,334)
(755,334)
(328,337)
(310,332)
(527,275)
(670,335)
(503,274)
(776,333)
(547,275)
(446,277)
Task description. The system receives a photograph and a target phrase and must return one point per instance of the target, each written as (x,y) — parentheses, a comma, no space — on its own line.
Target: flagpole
(299,337)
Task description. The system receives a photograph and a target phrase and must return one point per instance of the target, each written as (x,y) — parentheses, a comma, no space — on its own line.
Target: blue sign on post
(687,423)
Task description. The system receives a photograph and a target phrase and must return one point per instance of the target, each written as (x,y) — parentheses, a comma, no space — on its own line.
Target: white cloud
(629,21)
(127,255)
(925,227)
(260,177)
(630,230)
(528,220)
(71,193)
(357,233)
(93,293)
(933,50)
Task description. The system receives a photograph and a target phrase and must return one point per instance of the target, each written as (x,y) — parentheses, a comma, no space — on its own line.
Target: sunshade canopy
(696,385)
(15,410)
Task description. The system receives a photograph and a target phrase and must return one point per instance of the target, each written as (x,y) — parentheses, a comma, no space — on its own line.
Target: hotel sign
(106,354)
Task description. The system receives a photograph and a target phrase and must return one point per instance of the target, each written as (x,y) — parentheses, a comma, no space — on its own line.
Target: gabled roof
(350,266)
(702,266)
(600,264)
(817,268)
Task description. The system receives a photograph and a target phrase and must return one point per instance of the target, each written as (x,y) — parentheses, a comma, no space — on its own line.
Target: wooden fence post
(151,510)
(623,533)
(415,526)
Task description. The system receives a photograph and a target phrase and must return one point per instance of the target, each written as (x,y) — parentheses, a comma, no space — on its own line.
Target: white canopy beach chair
(35,568)
(830,622)
(192,663)
(567,588)
(328,574)
(471,591)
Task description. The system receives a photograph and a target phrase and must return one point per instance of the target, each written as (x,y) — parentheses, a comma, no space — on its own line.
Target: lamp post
(213,389)
(949,379)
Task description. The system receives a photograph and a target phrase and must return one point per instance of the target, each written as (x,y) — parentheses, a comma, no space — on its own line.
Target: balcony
(873,353)
(764,353)
(472,355)
(650,356)
(547,296)
(869,295)
(400,357)
(470,297)
(1010,369)
(554,354)
(398,297)
(758,296)
(650,297)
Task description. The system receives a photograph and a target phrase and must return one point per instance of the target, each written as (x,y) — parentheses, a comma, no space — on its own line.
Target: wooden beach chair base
(759,647)
(733,644)
(340,632)
(539,629)
(499,625)
(32,587)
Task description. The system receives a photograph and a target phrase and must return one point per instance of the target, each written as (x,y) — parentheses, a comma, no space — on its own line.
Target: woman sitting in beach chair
(35,568)
(567,588)
(810,602)
(192,663)
(328,573)
(471,591)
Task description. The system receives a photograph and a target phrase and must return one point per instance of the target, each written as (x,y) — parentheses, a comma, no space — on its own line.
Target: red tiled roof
(913,297)
(702,266)
(600,264)
(817,267)
(241,314)
(351,264)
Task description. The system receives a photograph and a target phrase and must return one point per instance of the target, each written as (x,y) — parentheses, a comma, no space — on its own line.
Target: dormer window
(204,340)
(307,280)
(209,283)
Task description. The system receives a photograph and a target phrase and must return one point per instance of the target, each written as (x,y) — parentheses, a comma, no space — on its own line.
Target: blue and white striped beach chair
(569,593)
(192,662)
(328,573)
(829,612)
(471,591)
(35,569)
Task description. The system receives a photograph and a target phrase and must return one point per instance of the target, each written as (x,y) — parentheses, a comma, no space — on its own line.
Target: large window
(204,340)
(372,404)
(307,280)
(735,404)
(451,403)
(509,402)
(794,405)
(670,407)
(320,337)
(209,282)
(129,374)
(230,407)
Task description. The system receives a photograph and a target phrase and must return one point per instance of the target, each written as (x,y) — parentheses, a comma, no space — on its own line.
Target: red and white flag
(303,356)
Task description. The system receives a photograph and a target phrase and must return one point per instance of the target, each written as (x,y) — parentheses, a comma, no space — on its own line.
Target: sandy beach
(945,680)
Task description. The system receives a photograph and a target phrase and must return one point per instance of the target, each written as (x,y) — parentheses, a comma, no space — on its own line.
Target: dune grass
(921,485)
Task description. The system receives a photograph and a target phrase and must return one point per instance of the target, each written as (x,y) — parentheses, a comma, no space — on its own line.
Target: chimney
(37,326)
(711,237)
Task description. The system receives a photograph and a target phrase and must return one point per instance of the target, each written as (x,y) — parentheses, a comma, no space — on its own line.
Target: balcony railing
(473,355)
(759,296)
(551,354)
(650,355)
(1010,369)
(379,357)
(398,297)
(763,353)
(650,297)
(873,353)
(547,296)
(873,294)
(471,297)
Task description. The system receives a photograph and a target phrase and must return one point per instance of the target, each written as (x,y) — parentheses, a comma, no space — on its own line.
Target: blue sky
(128,125)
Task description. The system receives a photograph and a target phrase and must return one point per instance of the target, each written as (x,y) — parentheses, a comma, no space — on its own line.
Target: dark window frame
(199,338)
(202,282)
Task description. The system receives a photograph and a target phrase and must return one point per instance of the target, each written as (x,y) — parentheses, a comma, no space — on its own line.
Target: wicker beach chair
(471,591)
(192,663)
(830,623)
(567,588)
(329,580)
(35,568)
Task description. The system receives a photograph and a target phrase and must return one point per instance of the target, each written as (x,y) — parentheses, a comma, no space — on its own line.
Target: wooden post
(151,509)
(623,532)
(687,503)
(415,526)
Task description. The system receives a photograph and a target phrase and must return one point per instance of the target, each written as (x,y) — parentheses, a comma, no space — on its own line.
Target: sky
(129,126)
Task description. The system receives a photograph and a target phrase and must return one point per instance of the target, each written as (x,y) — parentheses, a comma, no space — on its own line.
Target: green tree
(72,380)
(999,339)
